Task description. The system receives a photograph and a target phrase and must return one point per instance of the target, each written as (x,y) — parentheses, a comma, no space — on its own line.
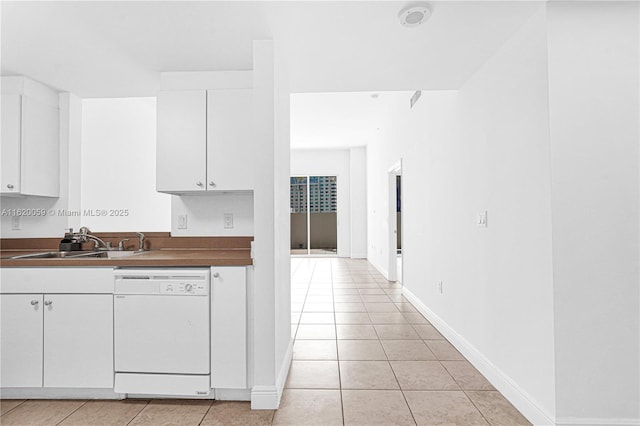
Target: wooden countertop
(161,250)
(164,257)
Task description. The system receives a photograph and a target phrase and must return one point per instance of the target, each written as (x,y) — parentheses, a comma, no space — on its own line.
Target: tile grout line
(138,413)
(15,407)
(464,391)
(67,416)
(206,412)
(397,381)
(476,407)
(335,326)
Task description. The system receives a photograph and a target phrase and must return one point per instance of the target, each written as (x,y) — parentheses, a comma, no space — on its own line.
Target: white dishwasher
(162,331)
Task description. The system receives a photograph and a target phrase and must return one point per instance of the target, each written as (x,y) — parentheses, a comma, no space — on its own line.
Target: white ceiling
(117,49)
(339,120)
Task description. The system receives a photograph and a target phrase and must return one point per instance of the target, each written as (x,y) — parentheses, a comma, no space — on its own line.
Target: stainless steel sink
(112,254)
(117,254)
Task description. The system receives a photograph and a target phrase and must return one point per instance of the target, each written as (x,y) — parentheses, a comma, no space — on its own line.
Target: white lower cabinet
(229,327)
(21,340)
(57,339)
(78,341)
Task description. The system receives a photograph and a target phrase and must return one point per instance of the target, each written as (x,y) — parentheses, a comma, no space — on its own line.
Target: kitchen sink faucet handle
(121,244)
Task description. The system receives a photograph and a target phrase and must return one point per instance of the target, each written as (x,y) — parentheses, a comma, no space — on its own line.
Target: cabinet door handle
(48,303)
(216,275)
(199,183)
(10,186)
(34,302)
(212,183)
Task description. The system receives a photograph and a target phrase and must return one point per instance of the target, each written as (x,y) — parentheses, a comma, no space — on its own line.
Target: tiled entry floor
(362,356)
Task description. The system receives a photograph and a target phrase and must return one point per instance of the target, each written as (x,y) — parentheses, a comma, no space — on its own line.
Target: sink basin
(57,254)
(112,254)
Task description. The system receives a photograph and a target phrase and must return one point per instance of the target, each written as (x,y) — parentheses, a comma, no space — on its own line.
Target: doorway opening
(314,207)
(395,264)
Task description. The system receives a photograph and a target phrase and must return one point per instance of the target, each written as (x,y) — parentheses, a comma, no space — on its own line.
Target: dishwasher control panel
(164,282)
(183,287)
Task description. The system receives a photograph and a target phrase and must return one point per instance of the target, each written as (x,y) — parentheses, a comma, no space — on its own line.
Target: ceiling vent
(413,16)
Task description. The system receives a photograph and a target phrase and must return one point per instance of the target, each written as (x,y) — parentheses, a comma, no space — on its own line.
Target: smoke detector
(413,16)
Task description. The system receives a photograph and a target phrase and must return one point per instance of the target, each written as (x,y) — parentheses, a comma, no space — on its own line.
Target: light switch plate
(15,223)
(182,221)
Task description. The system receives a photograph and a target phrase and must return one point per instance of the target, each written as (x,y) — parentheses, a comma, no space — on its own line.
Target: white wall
(282,258)
(264,389)
(56,220)
(358,201)
(205,214)
(383,152)
(118,166)
(594,116)
(504,138)
(329,162)
(485,147)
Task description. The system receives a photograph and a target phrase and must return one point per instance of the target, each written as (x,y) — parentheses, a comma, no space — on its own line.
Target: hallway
(364,355)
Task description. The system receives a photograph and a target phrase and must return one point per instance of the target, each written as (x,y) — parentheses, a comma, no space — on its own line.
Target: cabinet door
(230,160)
(228,327)
(10,143)
(21,340)
(181,141)
(39,149)
(78,340)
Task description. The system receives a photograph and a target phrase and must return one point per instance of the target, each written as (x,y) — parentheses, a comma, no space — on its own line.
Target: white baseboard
(268,397)
(501,381)
(264,398)
(59,393)
(574,421)
(166,396)
(233,394)
(358,255)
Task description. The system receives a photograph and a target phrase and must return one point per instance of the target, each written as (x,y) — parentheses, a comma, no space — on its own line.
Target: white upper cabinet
(229,156)
(203,141)
(30,139)
(181,150)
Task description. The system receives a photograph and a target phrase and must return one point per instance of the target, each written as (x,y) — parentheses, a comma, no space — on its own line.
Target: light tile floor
(362,355)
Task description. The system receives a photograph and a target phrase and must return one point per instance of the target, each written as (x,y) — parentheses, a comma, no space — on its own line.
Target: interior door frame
(392,173)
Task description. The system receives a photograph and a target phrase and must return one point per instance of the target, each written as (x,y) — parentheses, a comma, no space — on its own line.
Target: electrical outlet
(228,221)
(440,287)
(182,221)
(15,223)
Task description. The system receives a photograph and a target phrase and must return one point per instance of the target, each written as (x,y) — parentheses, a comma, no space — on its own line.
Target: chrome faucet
(140,241)
(84,236)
